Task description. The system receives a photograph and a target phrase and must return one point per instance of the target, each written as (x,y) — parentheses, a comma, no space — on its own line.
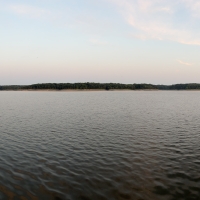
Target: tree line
(100,86)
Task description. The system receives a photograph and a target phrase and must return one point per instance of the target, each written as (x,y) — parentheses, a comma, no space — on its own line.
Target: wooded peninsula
(100,86)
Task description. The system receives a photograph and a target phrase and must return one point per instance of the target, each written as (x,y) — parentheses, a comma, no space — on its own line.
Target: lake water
(100,145)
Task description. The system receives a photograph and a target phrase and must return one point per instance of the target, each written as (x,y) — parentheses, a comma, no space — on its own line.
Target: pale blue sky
(126,41)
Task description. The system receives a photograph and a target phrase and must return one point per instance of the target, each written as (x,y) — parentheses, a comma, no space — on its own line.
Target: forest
(100,86)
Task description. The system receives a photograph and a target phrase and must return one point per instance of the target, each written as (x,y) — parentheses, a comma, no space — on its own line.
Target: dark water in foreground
(100,145)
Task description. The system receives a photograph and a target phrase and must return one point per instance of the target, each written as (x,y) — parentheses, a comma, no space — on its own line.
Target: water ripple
(100,145)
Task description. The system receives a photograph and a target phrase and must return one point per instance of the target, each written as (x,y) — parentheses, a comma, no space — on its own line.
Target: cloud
(85,20)
(31,11)
(185,63)
(193,6)
(162,19)
(97,42)
(169,20)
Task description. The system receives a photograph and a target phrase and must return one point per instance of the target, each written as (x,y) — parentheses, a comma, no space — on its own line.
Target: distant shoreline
(79,90)
(98,87)
(88,90)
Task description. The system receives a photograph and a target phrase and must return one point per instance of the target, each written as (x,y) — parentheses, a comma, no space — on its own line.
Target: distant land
(100,86)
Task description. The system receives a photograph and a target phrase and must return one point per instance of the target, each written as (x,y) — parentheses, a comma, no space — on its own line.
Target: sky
(121,41)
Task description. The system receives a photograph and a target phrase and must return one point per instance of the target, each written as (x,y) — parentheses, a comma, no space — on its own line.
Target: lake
(100,145)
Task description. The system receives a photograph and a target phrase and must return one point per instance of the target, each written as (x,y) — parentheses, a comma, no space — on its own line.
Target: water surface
(100,145)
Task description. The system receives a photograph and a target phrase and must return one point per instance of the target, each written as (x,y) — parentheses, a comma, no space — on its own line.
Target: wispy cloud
(31,11)
(185,63)
(97,42)
(159,19)
(150,19)
(80,19)
(193,6)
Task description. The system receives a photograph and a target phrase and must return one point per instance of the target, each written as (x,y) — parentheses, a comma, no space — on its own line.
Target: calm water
(100,145)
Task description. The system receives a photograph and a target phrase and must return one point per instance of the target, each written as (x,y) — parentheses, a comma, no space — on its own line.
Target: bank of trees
(10,87)
(90,86)
(100,86)
(189,86)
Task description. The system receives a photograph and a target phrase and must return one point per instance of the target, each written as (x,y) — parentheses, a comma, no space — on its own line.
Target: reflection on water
(100,145)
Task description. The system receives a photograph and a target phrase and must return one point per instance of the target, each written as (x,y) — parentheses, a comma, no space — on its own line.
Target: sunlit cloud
(184,63)
(158,19)
(149,19)
(67,17)
(193,6)
(31,11)
(97,42)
